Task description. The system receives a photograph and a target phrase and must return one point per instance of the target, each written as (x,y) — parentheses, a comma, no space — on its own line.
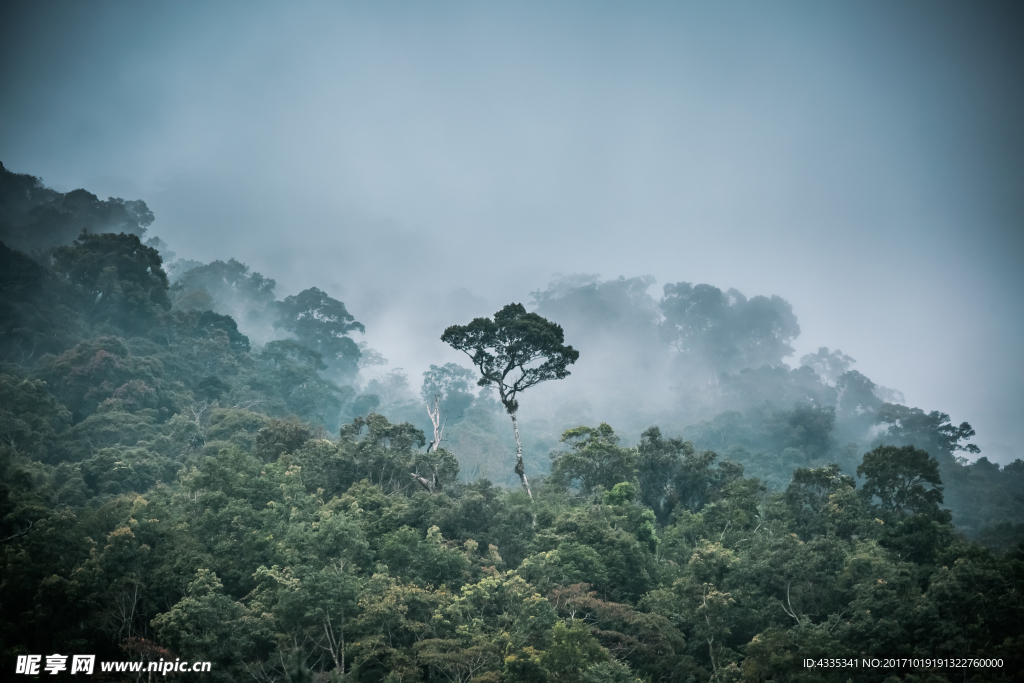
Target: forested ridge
(191,467)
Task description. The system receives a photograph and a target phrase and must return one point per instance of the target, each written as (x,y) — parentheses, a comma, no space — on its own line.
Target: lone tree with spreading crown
(514,352)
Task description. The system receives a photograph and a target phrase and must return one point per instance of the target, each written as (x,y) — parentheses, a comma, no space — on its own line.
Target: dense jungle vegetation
(191,467)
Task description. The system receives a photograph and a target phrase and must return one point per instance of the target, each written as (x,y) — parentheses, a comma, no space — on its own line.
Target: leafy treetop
(726,330)
(513,341)
(932,430)
(904,480)
(322,323)
(123,277)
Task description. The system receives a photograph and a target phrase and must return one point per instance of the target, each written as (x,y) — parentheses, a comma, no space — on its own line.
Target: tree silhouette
(515,351)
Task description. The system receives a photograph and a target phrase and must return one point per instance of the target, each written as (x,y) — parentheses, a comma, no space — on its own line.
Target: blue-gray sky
(427,162)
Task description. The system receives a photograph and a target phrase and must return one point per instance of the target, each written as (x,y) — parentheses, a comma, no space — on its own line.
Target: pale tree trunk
(336,645)
(520,469)
(429,486)
(438,422)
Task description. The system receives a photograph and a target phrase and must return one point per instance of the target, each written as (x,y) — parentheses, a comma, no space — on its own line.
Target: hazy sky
(428,162)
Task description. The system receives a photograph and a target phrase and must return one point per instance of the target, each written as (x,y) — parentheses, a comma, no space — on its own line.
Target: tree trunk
(426,484)
(439,424)
(520,469)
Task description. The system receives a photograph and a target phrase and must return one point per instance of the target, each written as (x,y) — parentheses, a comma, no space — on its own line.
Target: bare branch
(20,533)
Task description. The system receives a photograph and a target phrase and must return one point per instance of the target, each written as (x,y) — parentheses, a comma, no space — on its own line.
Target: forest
(194,468)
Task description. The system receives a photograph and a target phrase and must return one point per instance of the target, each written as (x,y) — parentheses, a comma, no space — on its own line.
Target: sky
(429,162)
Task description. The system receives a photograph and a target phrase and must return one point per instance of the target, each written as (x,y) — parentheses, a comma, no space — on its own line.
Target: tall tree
(122,279)
(322,323)
(725,331)
(447,391)
(594,459)
(828,364)
(904,480)
(227,288)
(934,431)
(515,351)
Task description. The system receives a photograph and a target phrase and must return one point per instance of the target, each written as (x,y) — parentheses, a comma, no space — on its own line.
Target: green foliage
(452,384)
(457,659)
(208,624)
(384,454)
(211,323)
(724,330)
(594,459)
(34,218)
(573,651)
(647,642)
(229,288)
(282,436)
(30,417)
(122,280)
(932,430)
(168,490)
(104,372)
(113,471)
(659,463)
(807,427)
(672,476)
(322,324)
(810,494)
(292,371)
(904,481)
(424,561)
(40,312)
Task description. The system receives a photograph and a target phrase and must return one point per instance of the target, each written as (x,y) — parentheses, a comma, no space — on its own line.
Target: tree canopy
(36,219)
(181,480)
(322,323)
(726,331)
(514,351)
(122,279)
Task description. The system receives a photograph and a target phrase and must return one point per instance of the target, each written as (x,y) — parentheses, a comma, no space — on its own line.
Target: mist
(428,166)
